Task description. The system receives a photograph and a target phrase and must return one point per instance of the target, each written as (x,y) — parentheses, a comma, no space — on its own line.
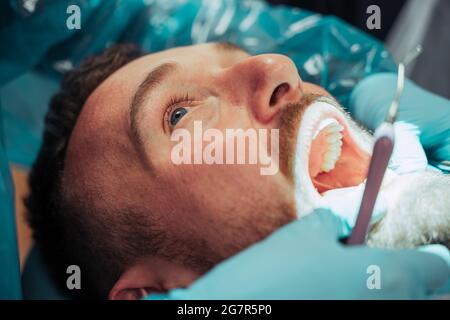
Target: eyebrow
(156,77)
(153,79)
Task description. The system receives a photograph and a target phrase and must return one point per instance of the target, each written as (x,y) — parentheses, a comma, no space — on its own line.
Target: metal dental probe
(382,151)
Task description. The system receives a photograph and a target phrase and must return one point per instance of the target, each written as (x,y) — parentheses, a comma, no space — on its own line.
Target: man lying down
(107,195)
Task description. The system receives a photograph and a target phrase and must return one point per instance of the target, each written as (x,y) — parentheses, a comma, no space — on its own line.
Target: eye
(176,115)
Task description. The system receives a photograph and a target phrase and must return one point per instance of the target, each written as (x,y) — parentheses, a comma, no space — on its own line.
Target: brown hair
(47,215)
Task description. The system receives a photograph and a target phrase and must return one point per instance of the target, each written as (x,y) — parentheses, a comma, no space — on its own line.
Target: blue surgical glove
(304,260)
(430,113)
(407,157)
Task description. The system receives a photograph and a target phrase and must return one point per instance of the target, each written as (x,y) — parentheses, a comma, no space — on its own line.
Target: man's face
(120,152)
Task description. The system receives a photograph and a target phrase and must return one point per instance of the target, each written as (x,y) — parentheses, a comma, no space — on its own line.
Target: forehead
(134,72)
(125,80)
(106,110)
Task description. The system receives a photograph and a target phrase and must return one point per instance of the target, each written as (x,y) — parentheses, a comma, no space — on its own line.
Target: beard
(265,207)
(237,224)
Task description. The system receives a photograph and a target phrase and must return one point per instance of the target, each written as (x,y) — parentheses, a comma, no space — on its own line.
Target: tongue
(317,153)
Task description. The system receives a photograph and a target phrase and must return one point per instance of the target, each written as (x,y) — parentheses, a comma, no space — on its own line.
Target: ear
(136,282)
(151,275)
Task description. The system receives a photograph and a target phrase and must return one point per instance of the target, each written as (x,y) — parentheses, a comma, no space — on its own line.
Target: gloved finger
(322,222)
(164,296)
(345,203)
(321,227)
(408,154)
(444,253)
(430,266)
(438,250)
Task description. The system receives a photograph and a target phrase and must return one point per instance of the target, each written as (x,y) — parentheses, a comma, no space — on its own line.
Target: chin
(333,152)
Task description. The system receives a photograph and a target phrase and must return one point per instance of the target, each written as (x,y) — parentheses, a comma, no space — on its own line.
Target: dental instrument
(382,151)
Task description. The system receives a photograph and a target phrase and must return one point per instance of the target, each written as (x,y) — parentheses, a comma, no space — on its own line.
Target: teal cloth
(37,280)
(9,260)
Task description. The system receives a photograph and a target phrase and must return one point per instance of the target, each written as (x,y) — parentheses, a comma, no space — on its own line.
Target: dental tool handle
(382,151)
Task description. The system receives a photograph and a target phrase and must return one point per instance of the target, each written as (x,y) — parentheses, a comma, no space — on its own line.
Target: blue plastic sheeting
(9,259)
(40,47)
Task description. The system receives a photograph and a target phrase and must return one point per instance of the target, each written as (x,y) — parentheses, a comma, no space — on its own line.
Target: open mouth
(336,152)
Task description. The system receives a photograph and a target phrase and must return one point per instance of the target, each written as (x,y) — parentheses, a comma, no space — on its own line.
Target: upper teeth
(332,128)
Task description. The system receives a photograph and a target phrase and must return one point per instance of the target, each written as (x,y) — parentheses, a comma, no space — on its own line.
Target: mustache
(290,119)
(292,113)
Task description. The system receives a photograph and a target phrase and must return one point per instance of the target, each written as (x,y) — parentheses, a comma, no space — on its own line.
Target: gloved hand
(304,260)
(372,97)
(408,156)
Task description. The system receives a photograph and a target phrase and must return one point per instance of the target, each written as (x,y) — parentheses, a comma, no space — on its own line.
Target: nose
(266,82)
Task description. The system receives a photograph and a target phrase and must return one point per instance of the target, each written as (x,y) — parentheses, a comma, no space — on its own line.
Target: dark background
(352,11)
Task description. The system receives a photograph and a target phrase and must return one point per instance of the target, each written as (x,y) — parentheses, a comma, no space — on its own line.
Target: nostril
(279,92)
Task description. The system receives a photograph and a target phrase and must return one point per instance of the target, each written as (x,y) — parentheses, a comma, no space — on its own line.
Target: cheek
(220,188)
(226,206)
(310,88)
(205,188)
